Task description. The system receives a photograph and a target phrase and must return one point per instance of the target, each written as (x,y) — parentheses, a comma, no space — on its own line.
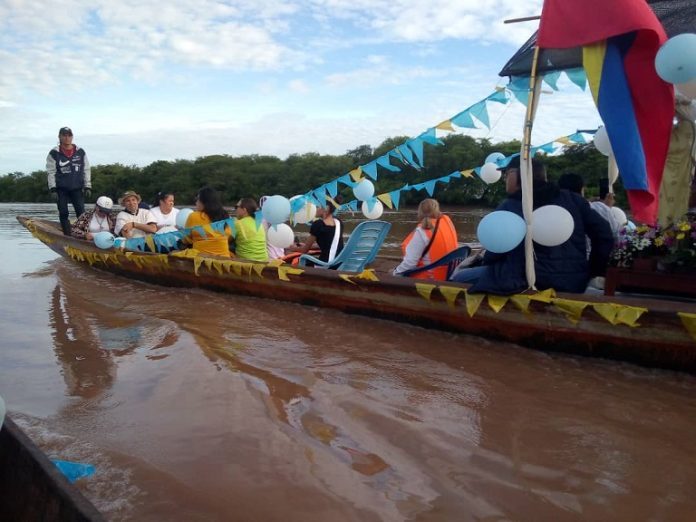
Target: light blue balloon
(104,240)
(364,190)
(676,60)
(276,210)
(494,157)
(182,217)
(501,231)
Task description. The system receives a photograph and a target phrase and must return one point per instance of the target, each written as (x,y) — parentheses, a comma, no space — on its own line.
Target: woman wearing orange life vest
(434,237)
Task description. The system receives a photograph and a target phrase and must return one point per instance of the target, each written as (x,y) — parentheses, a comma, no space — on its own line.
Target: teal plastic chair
(360,249)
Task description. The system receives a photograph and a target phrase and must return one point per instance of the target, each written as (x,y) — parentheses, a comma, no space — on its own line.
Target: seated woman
(99,219)
(164,212)
(209,209)
(326,232)
(434,237)
(250,240)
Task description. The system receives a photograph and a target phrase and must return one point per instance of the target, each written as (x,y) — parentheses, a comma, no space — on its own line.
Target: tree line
(255,175)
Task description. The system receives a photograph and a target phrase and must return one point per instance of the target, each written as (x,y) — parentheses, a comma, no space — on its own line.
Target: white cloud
(299,86)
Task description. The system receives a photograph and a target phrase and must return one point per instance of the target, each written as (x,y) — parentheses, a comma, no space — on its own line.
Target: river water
(195,406)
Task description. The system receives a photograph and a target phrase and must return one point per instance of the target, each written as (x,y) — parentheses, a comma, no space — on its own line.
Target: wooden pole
(524,19)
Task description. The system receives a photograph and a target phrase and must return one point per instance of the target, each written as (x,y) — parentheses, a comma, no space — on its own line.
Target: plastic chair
(360,249)
(452,261)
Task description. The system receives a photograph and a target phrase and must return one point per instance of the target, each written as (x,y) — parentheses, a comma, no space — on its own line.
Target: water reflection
(89,337)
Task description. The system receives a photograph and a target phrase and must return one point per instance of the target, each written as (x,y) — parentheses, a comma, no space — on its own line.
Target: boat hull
(32,487)
(649,332)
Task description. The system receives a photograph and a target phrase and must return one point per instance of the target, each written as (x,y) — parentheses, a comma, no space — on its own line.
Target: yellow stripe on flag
(593,62)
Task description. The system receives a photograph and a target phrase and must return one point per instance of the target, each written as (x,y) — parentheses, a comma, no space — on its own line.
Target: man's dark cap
(65,131)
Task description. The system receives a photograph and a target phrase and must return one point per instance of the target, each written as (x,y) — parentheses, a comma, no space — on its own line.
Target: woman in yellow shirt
(250,240)
(209,209)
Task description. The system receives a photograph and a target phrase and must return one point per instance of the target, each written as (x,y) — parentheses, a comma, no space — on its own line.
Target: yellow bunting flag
(386,199)
(219,266)
(356,174)
(473,302)
(275,262)
(283,272)
(197,261)
(450,294)
(258,268)
(247,269)
(689,322)
(564,140)
(467,173)
(497,302)
(445,125)
(572,309)
(608,311)
(425,290)
(209,264)
(544,296)
(629,315)
(521,301)
(189,253)
(347,277)
(368,274)
(150,242)
(236,268)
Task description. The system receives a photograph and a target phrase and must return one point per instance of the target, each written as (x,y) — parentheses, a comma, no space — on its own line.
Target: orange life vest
(445,241)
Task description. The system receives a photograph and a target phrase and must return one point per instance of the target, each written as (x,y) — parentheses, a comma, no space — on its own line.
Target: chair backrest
(452,260)
(362,246)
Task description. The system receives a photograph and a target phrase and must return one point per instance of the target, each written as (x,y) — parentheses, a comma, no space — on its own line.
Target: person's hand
(87,192)
(54,194)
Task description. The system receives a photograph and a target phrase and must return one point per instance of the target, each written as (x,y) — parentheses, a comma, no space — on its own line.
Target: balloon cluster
(675,63)
(489,172)
(371,207)
(276,211)
(502,231)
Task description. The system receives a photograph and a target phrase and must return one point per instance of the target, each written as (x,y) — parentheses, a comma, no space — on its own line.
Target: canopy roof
(676,16)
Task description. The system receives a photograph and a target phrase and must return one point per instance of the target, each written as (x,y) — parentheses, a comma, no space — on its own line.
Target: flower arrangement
(643,241)
(673,246)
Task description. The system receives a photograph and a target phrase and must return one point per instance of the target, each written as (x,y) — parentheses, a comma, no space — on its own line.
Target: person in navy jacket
(69,177)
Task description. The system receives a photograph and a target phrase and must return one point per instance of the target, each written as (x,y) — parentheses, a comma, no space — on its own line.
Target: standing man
(69,177)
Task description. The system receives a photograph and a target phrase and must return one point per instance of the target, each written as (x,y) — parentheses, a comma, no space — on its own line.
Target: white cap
(105,203)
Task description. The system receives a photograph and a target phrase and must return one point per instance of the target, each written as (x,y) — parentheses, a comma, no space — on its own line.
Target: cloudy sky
(143,80)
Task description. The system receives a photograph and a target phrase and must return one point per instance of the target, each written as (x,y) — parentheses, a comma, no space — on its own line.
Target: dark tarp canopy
(676,16)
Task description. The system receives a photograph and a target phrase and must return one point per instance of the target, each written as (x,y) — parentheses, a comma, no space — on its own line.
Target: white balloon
(306,214)
(490,173)
(376,211)
(601,141)
(619,216)
(280,236)
(552,225)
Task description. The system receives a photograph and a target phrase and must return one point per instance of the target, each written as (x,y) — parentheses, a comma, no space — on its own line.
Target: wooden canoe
(32,487)
(650,332)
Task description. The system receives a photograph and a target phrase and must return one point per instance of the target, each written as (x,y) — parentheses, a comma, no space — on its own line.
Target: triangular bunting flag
(473,301)
(551,79)
(425,290)
(370,169)
(463,119)
(497,302)
(480,112)
(395,195)
(445,125)
(450,294)
(578,77)
(332,187)
(417,148)
(386,199)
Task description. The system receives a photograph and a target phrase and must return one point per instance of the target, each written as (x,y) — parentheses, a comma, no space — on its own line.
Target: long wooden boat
(32,487)
(650,332)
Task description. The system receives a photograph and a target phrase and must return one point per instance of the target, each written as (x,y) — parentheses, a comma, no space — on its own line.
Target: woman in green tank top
(250,240)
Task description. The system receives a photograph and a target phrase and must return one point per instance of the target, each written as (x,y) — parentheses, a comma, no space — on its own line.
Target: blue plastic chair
(360,249)
(451,259)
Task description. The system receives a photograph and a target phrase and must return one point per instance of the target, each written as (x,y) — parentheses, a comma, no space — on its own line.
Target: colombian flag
(620,39)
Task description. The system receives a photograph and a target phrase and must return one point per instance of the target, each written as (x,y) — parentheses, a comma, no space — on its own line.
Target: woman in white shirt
(99,219)
(164,212)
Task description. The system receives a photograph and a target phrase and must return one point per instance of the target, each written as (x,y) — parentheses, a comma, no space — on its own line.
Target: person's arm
(601,237)
(414,252)
(87,171)
(51,171)
(120,223)
(304,247)
(80,229)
